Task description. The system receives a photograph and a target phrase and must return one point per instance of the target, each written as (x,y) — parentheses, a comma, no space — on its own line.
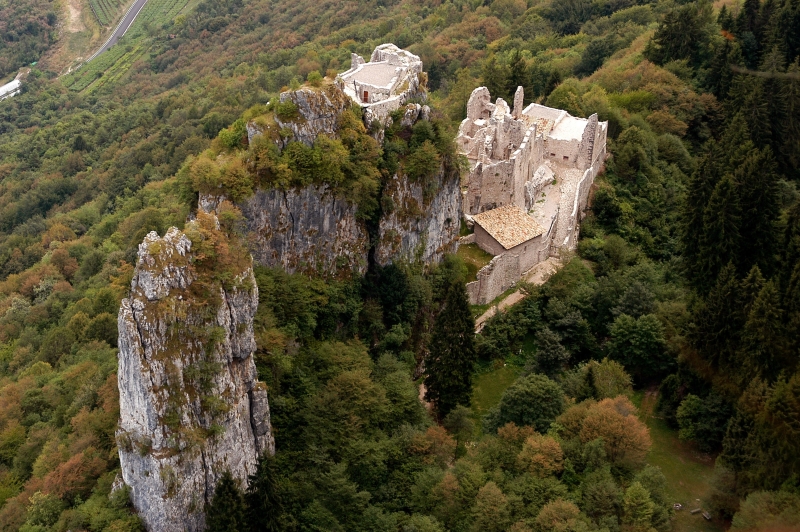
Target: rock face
(190,405)
(307,230)
(318,111)
(418,227)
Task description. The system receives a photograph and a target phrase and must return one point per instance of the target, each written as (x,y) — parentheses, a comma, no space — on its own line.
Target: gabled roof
(509,225)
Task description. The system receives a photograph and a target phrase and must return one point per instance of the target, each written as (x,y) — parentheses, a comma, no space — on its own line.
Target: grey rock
(173,443)
(418,228)
(318,110)
(306,230)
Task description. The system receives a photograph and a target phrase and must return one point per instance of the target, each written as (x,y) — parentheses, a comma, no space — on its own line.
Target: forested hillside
(687,277)
(27,29)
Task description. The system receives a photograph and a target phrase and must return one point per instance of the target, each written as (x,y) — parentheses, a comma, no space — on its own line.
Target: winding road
(121,28)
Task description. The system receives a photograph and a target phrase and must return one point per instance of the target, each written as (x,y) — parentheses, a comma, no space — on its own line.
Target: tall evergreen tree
(790,122)
(792,299)
(226,513)
(790,245)
(685,33)
(717,326)
(452,357)
(551,356)
(749,289)
(748,17)
(720,75)
(721,236)
(495,77)
(748,99)
(518,75)
(264,505)
(763,351)
(725,19)
(700,188)
(757,182)
(736,454)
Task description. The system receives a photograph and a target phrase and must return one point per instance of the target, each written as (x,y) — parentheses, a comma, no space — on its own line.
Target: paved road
(123,26)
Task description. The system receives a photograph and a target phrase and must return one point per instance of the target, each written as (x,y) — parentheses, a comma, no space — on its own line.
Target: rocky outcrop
(190,405)
(308,230)
(318,112)
(419,224)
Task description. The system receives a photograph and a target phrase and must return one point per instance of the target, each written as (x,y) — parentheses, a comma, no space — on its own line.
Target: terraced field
(106,11)
(114,63)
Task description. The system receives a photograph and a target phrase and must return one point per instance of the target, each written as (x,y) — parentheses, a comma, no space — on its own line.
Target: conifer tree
(700,188)
(717,327)
(638,507)
(721,158)
(226,513)
(747,95)
(749,289)
(720,75)
(790,122)
(518,74)
(757,181)
(264,505)
(763,338)
(721,236)
(725,19)
(452,357)
(495,77)
(748,17)
(792,299)
(735,454)
(551,355)
(790,245)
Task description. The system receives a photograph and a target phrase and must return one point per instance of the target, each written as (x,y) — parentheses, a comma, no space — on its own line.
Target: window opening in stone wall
(366,97)
(566,158)
(552,155)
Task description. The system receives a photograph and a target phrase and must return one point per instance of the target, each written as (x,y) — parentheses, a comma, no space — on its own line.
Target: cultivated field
(112,64)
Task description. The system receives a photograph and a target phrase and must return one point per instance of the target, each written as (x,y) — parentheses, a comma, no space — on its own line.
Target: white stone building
(538,159)
(10,89)
(386,82)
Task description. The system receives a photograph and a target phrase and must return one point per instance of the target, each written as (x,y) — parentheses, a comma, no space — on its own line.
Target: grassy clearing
(474,257)
(488,388)
(687,470)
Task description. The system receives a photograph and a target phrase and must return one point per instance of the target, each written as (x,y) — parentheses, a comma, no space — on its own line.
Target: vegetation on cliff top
(85,175)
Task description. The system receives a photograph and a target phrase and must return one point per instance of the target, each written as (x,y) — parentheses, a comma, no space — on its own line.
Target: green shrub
(423,162)
(287,111)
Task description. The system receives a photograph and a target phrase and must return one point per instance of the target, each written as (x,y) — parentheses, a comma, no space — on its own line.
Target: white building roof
(9,89)
(378,74)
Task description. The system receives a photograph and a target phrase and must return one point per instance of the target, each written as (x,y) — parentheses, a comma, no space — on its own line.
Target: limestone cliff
(419,224)
(190,405)
(313,230)
(307,230)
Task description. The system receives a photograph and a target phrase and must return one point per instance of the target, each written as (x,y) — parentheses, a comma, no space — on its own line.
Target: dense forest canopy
(686,280)
(27,30)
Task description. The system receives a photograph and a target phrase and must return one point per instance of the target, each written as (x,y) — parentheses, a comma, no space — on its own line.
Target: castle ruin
(387,82)
(530,174)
